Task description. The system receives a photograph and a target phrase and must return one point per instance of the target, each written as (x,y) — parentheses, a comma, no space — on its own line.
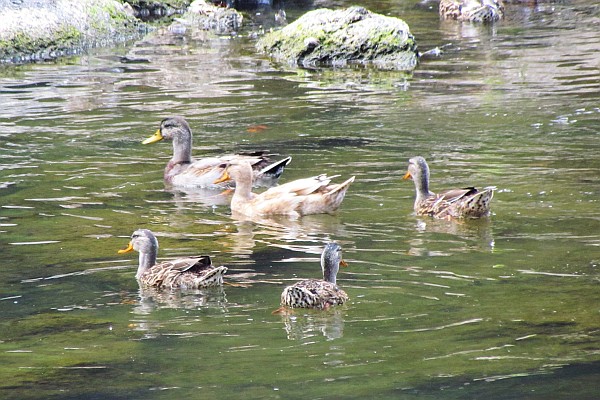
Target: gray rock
(34,30)
(336,38)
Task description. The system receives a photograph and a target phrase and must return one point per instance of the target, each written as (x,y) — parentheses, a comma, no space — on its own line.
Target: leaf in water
(256,128)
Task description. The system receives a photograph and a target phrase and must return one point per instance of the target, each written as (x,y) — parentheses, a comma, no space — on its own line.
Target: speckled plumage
(317,293)
(472,10)
(313,195)
(454,203)
(182,273)
(184,171)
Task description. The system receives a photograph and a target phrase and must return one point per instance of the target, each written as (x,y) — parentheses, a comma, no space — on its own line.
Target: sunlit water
(505,307)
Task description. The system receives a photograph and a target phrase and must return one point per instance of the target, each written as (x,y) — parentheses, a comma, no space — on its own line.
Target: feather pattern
(184,171)
(317,293)
(182,273)
(454,203)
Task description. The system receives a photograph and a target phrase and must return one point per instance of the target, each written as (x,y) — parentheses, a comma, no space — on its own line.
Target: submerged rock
(354,35)
(44,30)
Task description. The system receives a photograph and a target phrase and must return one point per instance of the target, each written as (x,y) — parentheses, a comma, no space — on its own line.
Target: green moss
(97,22)
(354,35)
(65,37)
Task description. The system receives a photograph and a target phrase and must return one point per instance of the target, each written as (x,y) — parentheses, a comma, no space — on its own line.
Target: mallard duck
(317,293)
(183,171)
(183,273)
(454,203)
(472,10)
(300,197)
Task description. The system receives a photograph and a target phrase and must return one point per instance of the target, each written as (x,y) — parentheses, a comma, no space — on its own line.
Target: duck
(472,10)
(314,195)
(454,203)
(185,172)
(182,273)
(318,293)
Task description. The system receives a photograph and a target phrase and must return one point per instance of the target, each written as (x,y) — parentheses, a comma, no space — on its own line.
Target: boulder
(33,30)
(338,38)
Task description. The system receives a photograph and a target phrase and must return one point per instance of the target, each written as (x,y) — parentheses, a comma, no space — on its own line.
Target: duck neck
(147,261)
(243,185)
(182,147)
(329,273)
(422,187)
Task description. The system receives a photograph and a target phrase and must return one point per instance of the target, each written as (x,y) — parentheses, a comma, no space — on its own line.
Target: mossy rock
(43,30)
(335,38)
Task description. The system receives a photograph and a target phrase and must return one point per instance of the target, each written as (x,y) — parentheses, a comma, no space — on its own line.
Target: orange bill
(407,176)
(127,250)
(224,178)
(343,263)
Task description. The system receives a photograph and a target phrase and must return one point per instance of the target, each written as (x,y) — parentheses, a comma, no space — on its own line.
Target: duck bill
(343,263)
(127,250)
(157,137)
(407,176)
(224,178)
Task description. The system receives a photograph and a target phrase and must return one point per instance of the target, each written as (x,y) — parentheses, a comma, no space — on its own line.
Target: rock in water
(337,38)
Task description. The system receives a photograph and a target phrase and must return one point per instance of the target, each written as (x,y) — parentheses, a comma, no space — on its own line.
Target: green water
(501,308)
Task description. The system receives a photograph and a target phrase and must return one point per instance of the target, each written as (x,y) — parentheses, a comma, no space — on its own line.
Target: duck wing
(458,203)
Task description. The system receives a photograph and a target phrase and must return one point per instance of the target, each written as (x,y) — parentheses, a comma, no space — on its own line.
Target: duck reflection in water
(151,299)
(330,324)
(281,231)
(472,234)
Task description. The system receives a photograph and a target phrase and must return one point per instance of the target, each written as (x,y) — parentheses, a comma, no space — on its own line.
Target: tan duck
(472,10)
(454,203)
(314,195)
(182,273)
(318,293)
(184,171)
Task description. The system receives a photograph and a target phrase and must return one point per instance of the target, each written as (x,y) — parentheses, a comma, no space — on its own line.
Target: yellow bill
(157,137)
(127,250)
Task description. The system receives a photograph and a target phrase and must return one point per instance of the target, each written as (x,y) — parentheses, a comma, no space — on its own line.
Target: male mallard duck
(183,273)
(453,203)
(472,10)
(300,197)
(183,171)
(317,293)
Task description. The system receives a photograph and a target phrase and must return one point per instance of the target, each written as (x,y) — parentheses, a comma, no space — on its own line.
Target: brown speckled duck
(317,293)
(182,273)
(184,171)
(315,195)
(472,10)
(454,203)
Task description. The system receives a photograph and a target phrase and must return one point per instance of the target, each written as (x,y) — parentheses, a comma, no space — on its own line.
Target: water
(502,308)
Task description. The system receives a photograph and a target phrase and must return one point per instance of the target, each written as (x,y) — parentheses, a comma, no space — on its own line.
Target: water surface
(505,307)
